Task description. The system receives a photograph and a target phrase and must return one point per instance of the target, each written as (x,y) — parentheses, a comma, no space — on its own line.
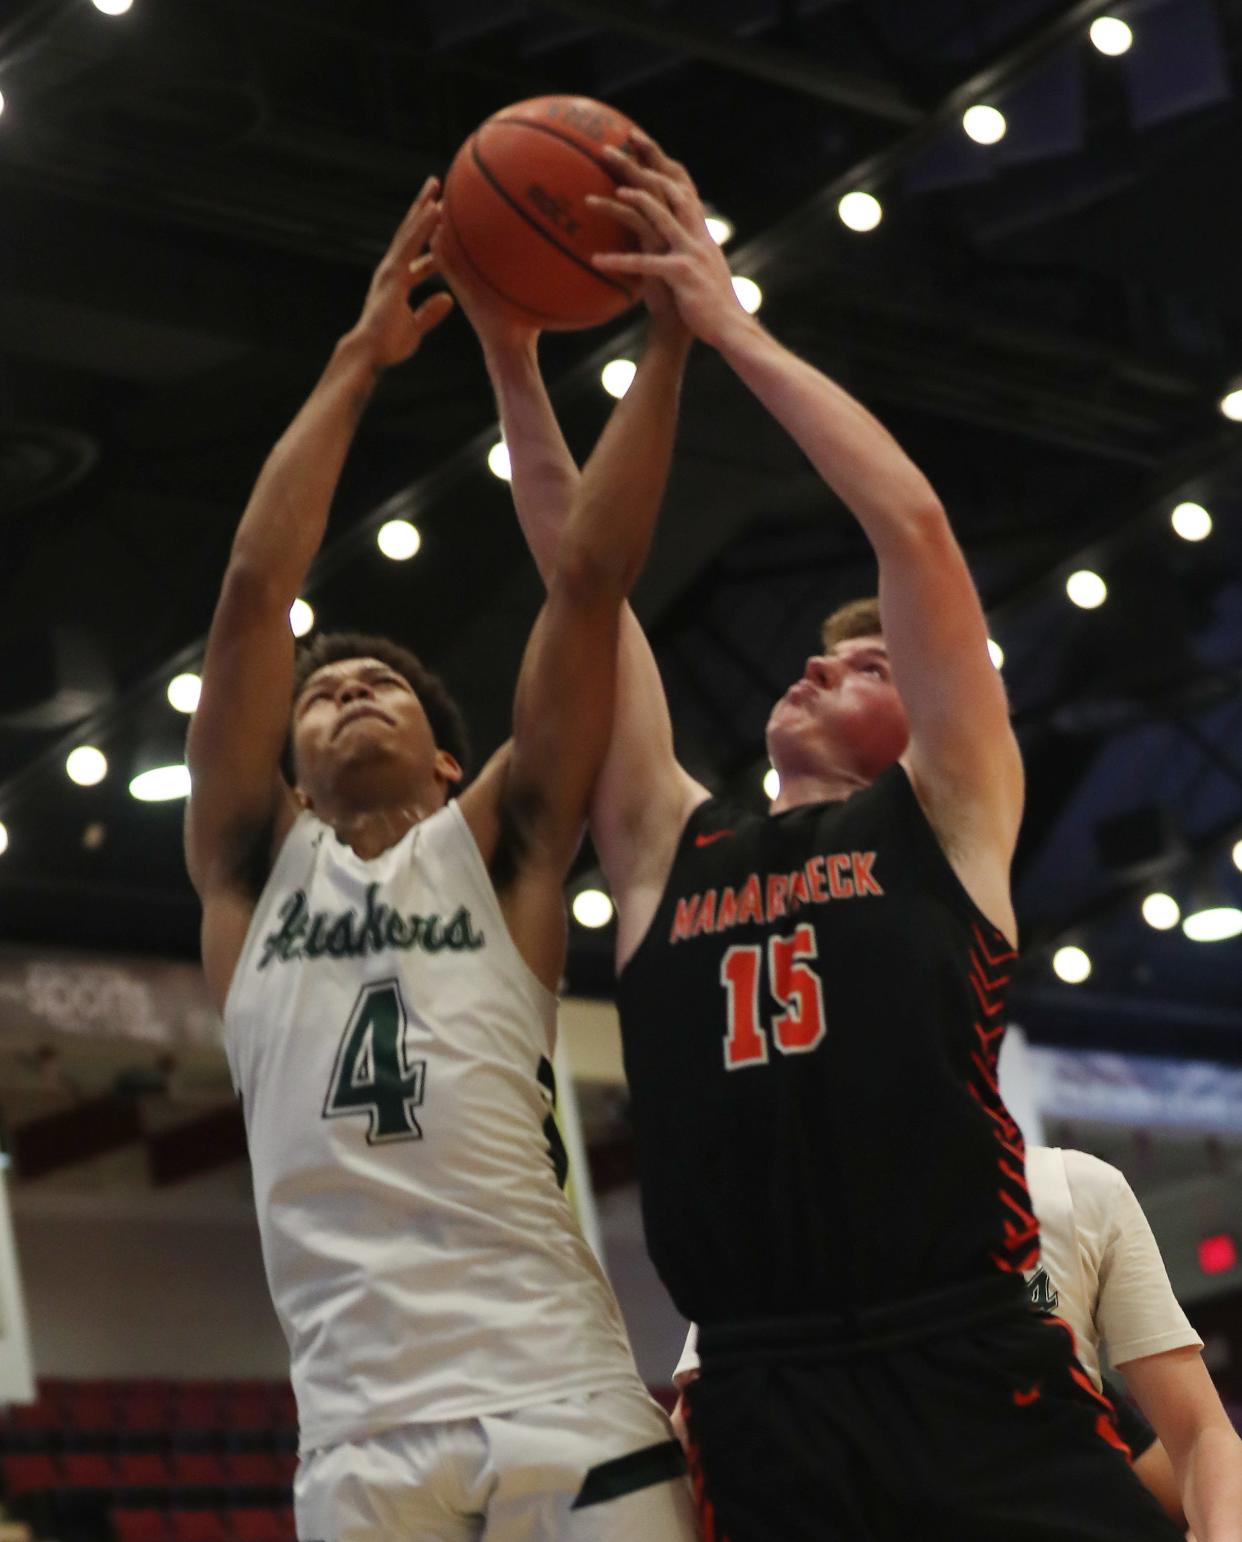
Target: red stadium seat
(198,1469)
(258,1525)
(145,1412)
(140,1526)
(284,1405)
(198,1526)
(87,1469)
(142,1469)
(253,1469)
(43,1418)
(33,1474)
(90,1409)
(196,1406)
(286,1466)
(249,1409)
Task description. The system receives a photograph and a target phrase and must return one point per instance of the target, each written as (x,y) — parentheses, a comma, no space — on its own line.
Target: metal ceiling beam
(760,61)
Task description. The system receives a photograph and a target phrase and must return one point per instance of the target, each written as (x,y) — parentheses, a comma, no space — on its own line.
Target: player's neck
(369,832)
(802,787)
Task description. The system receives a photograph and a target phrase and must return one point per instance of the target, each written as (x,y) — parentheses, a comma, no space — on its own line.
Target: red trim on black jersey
(989,977)
(1106,1426)
(706,1510)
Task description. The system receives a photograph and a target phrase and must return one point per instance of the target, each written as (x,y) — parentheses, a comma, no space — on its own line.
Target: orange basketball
(516,216)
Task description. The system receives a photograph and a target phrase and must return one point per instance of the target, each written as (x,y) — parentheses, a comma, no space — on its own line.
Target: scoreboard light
(1218,1253)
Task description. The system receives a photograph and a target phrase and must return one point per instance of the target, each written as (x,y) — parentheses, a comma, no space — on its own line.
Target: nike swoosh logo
(715,835)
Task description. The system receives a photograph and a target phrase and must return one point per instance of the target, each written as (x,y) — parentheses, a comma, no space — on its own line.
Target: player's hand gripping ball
(516,216)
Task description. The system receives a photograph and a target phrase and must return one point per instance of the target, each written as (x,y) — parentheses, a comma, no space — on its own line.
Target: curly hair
(448,726)
(858,618)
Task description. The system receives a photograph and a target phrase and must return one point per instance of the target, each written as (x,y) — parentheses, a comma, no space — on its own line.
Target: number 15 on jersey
(798,1026)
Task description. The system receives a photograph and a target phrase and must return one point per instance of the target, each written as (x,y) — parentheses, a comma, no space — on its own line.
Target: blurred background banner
(1144,1090)
(156,1001)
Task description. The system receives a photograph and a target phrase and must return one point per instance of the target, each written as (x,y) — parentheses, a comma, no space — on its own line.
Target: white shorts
(591,1468)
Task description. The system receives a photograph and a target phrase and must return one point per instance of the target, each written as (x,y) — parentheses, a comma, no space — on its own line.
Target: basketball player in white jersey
(1100,1272)
(385,957)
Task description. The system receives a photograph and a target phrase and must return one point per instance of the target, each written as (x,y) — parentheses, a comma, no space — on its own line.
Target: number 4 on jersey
(373,1072)
(799,1026)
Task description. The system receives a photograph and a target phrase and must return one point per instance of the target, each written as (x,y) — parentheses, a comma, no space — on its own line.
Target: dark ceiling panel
(193,196)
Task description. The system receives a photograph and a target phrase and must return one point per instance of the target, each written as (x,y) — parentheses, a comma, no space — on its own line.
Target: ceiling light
(1161,911)
(719,228)
(1072,965)
(94,835)
(86,765)
(985,125)
(184,691)
(749,294)
(398,539)
(1111,35)
(772,782)
(996,653)
(1087,589)
(1231,405)
(301,618)
(617,376)
(592,908)
(160,784)
(1217,923)
(112,7)
(1237,855)
(4,838)
(1191,521)
(498,461)
(1,101)
(860,211)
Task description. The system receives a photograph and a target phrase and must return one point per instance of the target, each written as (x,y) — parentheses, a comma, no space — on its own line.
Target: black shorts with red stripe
(963,1416)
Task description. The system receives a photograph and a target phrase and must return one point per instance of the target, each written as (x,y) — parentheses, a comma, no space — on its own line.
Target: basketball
(516,216)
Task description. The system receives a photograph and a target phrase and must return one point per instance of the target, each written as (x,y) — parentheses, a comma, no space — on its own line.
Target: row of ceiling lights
(861,211)
(1209,921)
(399,540)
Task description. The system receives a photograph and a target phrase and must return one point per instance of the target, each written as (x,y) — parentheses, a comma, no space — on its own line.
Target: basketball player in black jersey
(812,1004)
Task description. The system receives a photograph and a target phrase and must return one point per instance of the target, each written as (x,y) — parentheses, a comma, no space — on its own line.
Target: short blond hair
(858,618)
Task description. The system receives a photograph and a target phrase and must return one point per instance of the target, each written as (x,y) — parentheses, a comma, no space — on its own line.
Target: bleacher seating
(152,1461)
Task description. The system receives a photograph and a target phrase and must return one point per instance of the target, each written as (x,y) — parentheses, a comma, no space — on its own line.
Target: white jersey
(392,1050)
(1100,1269)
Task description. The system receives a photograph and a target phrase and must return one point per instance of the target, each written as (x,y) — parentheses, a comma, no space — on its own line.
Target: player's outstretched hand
(659,202)
(388,324)
(496,326)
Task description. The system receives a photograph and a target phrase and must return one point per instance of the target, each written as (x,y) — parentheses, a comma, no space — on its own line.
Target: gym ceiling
(192,195)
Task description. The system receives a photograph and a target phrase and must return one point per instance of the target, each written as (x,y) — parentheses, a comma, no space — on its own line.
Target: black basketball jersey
(811,1028)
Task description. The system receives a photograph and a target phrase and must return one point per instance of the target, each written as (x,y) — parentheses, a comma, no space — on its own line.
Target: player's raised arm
(642,793)
(563,713)
(962,750)
(240,806)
